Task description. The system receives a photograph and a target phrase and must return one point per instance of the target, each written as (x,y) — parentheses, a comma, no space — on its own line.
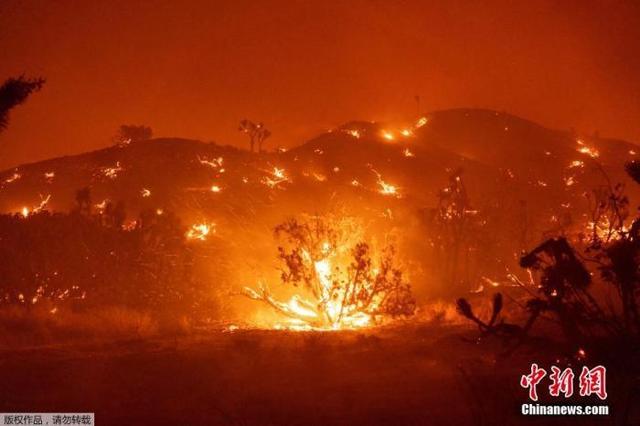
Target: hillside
(519,175)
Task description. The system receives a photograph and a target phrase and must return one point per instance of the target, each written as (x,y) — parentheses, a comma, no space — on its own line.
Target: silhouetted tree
(257,133)
(13,92)
(83,201)
(453,226)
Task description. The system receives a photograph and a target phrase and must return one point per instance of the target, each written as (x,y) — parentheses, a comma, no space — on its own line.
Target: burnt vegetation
(94,258)
(587,284)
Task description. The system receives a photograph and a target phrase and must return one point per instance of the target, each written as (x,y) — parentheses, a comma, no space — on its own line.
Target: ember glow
(111,172)
(421,122)
(275,178)
(215,163)
(14,177)
(353,132)
(44,200)
(587,150)
(385,188)
(200,231)
(388,135)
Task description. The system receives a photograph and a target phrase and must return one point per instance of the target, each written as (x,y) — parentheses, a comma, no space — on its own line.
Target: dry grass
(42,325)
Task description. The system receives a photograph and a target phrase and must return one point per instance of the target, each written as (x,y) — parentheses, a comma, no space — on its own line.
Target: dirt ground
(409,375)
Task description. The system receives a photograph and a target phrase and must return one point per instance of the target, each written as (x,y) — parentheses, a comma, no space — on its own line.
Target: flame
(408,153)
(277,177)
(214,163)
(14,177)
(26,211)
(215,188)
(199,231)
(145,193)
(130,226)
(576,163)
(353,132)
(387,135)
(319,177)
(111,172)
(101,206)
(421,122)
(279,173)
(385,187)
(406,132)
(584,149)
(49,176)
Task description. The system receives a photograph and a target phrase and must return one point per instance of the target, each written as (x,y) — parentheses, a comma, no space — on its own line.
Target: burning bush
(343,285)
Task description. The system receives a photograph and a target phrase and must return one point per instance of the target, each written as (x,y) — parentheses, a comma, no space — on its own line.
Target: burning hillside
(361,231)
(439,188)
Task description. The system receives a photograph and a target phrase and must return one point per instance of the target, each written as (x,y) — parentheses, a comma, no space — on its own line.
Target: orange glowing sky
(195,68)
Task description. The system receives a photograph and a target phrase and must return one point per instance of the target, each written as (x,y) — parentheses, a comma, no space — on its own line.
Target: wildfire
(145,193)
(319,177)
(353,132)
(406,132)
(215,188)
(307,315)
(200,231)
(385,188)
(339,284)
(111,172)
(421,122)
(49,176)
(407,153)
(576,163)
(14,177)
(26,211)
(277,177)
(213,163)
(584,149)
(605,230)
(102,205)
(387,135)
